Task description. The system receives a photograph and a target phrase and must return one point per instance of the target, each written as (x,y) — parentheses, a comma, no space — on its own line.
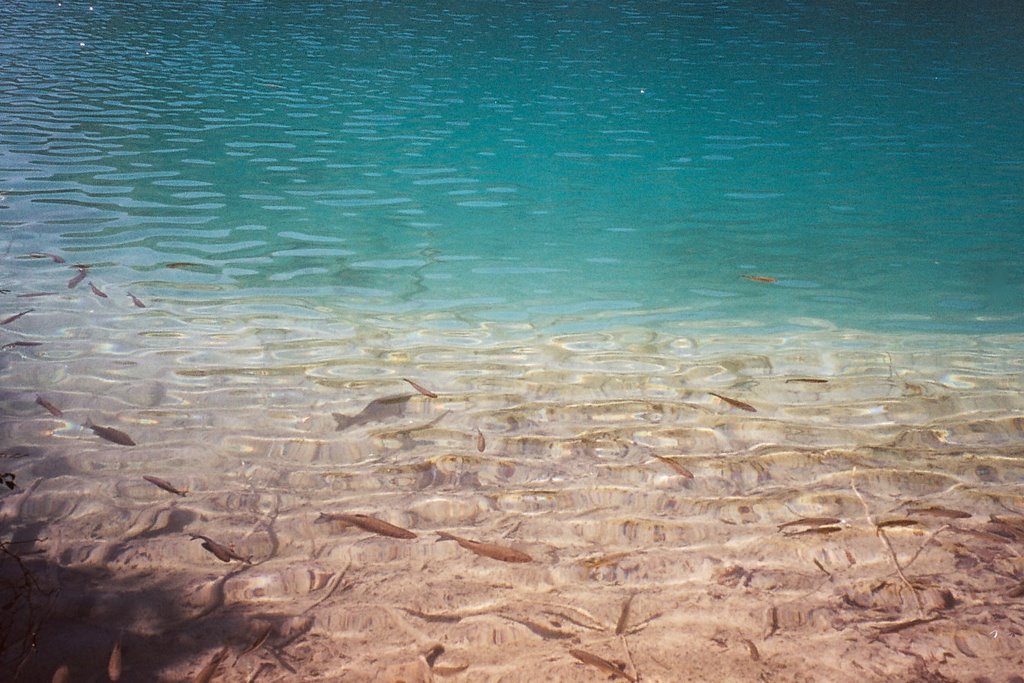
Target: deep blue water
(566,164)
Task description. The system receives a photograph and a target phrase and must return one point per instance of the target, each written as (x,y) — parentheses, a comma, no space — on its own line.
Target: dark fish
(15,344)
(32,295)
(811,521)
(495,552)
(54,410)
(542,630)
(734,403)
(816,530)
(936,511)
(807,380)
(900,625)
(44,254)
(423,390)
(165,485)
(603,560)
(432,654)
(435,618)
(14,317)
(375,411)
(73,282)
(674,464)
(752,649)
(111,434)
(771,618)
(367,523)
(261,637)
(183,264)
(760,278)
(207,673)
(97,291)
(620,625)
(1007,527)
(481,443)
(135,300)
(221,552)
(601,663)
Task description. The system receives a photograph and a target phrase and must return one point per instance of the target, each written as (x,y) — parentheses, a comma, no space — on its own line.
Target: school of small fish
(387,407)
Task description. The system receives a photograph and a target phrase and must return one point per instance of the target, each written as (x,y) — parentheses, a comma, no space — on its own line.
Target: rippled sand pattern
(862,522)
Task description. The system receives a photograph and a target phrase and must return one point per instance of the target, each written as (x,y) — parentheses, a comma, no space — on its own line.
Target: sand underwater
(853,513)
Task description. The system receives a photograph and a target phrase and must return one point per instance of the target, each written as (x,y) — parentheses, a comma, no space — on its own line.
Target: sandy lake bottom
(853,514)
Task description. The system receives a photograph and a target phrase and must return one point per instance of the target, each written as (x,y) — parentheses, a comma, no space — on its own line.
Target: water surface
(235,229)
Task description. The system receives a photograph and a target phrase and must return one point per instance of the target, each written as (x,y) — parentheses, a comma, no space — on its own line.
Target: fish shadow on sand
(377,410)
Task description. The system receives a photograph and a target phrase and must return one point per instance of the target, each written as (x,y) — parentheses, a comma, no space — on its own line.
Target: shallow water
(539,163)
(543,214)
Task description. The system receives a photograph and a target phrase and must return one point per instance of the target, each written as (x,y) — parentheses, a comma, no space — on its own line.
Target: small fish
(885,524)
(15,344)
(114,663)
(771,621)
(674,464)
(183,264)
(221,552)
(603,560)
(807,380)
(423,390)
(261,637)
(432,654)
(449,670)
(14,317)
(74,282)
(811,521)
(97,291)
(495,552)
(601,663)
(760,278)
(367,523)
(207,673)
(620,625)
(734,403)
(752,649)
(135,300)
(542,630)
(434,618)
(481,443)
(1010,528)
(32,295)
(165,485)
(816,530)
(44,254)
(111,434)
(900,625)
(53,410)
(936,511)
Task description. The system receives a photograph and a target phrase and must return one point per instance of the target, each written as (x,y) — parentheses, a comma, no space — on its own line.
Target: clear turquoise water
(563,165)
(543,213)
